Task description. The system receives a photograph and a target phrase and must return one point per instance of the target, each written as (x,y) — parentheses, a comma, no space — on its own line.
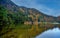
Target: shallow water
(51,33)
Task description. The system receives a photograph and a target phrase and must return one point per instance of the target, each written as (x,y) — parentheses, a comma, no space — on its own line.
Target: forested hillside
(11,15)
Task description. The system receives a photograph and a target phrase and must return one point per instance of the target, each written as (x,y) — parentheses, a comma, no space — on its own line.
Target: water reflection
(51,33)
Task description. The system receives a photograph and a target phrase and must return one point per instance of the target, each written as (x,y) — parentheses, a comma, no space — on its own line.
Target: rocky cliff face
(13,8)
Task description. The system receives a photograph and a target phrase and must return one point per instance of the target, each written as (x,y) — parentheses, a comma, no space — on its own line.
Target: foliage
(10,20)
(3,18)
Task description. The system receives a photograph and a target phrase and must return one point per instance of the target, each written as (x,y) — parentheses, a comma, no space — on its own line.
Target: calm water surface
(51,33)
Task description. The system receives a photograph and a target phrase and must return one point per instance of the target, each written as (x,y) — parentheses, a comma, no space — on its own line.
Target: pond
(51,33)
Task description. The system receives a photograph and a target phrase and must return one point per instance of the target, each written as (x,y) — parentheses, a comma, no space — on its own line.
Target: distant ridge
(13,8)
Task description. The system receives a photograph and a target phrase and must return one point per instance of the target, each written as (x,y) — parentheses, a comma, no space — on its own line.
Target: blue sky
(49,7)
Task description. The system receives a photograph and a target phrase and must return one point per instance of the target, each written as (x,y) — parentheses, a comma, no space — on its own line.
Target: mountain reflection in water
(51,33)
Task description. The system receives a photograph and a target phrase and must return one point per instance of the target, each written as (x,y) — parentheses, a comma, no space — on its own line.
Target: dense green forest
(3,18)
(10,20)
